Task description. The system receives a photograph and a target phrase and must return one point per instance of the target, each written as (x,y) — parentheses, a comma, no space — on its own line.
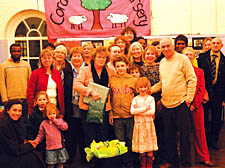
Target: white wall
(188,17)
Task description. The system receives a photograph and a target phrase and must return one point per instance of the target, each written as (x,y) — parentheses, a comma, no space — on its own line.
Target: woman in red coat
(201,148)
(48,79)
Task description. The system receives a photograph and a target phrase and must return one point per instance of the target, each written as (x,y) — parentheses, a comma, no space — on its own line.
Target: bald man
(178,85)
(215,86)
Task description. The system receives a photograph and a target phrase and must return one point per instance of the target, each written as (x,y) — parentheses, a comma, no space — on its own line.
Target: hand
(206,97)
(111,121)
(135,106)
(159,105)
(34,143)
(95,95)
(223,103)
(188,104)
(192,108)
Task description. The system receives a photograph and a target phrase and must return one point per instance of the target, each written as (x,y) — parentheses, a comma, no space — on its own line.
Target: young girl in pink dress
(144,135)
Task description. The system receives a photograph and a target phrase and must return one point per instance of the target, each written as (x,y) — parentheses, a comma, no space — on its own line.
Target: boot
(143,161)
(149,161)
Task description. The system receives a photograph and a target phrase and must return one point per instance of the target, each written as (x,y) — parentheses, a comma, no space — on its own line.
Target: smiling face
(87,49)
(46,60)
(142,42)
(135,73)
(136,52)
(121,68)
(150,57)
(180,45)
(100,59)
(129,35)
(15,53)
(207,45)
(15,112)
(114,52)
(216,45)
(121,44)
(60,55)
(189,54)
(77,59)
(143,90)
(167,47)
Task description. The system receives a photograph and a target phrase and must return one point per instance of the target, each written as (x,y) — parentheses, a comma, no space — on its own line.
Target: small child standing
(51,128)
(36,117)
(144,135)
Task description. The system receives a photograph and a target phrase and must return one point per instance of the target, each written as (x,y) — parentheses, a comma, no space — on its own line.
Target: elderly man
(177,83)
(14,75)
(213,64)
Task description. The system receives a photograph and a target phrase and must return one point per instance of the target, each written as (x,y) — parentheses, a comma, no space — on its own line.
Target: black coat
(204,62)
(34,122)
(13,152)
(68,87)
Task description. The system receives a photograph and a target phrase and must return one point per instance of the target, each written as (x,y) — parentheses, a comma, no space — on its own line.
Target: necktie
(213,67)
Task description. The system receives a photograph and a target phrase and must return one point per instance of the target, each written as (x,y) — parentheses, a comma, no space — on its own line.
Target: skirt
(144,137)
(56,156)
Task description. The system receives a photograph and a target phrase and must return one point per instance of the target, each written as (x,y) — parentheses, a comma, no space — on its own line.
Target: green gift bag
(95,112)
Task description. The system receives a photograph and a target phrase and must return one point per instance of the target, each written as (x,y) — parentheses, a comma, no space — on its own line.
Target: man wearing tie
(213,64)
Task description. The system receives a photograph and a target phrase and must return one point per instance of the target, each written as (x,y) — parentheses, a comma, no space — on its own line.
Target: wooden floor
(217,157)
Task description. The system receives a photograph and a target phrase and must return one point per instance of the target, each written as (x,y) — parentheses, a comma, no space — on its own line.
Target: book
(102,90)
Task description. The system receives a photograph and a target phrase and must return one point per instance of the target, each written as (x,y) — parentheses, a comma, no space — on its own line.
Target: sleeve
(61,93)
(41,133)
(191,80)
(3,90)
(60,124)
(151,102)
(156,87)
(80,83)
(200,92)
(31,127)
(136,110)
(11,143)
(31,89)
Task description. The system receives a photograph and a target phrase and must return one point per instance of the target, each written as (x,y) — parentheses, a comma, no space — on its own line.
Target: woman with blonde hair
(88,48)
(135,53)
(206,44)
(46,78)
(201,148)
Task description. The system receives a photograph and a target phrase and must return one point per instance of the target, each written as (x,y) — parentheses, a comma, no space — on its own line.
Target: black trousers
(94,131)
(216,122)
(75,138)
(176,119)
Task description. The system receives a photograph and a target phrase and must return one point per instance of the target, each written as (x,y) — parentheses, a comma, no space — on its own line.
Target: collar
(212,53)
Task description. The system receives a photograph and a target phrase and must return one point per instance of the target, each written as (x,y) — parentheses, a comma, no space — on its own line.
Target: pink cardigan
(81,82)
(39,82)
(52,133)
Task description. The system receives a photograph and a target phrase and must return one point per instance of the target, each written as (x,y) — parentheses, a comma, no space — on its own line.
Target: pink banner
(96,18)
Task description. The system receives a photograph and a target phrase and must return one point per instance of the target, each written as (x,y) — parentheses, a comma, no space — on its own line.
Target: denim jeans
(123,128)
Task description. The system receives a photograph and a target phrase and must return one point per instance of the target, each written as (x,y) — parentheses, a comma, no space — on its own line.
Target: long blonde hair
(130,55)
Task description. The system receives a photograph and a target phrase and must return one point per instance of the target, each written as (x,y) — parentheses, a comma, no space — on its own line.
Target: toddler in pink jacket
(50,129)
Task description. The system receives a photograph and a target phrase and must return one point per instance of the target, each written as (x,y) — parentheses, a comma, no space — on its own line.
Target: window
(31,34)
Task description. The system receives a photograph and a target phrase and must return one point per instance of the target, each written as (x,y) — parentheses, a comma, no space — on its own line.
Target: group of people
(157,97)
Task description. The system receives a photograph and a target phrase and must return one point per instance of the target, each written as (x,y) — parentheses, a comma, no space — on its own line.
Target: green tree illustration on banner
(95,6)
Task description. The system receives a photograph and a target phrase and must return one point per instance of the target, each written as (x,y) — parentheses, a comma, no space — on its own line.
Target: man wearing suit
(213,64)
